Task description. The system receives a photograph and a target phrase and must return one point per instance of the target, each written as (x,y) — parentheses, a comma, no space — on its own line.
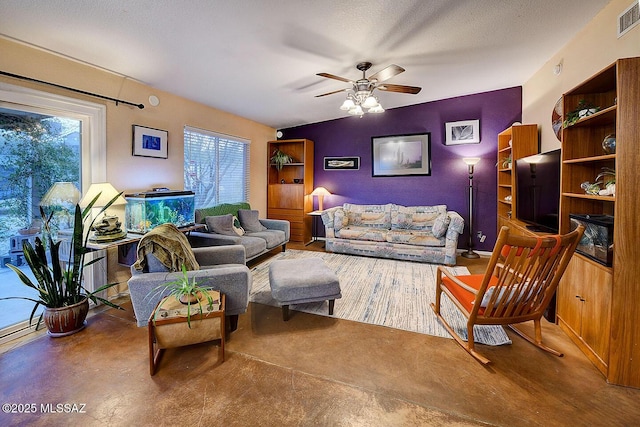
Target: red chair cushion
(464,296)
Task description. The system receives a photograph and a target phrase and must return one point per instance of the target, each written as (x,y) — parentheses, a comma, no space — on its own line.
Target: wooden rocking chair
(518,285)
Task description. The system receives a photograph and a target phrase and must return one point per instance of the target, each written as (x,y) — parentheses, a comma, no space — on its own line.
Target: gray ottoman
(299,281)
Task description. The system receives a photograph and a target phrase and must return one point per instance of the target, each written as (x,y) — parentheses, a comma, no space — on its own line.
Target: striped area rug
(391,293)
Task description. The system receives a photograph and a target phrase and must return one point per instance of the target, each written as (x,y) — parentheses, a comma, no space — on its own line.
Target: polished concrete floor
(309,371)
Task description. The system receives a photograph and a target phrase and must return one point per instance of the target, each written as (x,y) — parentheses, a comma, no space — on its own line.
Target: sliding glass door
(37,149)
(44,139)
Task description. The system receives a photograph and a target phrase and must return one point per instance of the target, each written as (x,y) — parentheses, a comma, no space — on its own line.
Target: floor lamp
(470,162)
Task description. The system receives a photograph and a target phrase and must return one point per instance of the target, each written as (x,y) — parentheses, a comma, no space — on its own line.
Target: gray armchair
(221,268)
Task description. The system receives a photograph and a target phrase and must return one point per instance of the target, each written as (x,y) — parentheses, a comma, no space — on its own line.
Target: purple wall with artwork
(448,182)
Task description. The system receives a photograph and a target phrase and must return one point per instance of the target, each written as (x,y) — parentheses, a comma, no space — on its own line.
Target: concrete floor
(311,370)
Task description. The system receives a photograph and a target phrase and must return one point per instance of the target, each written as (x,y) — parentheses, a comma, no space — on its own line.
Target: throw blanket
(169,245)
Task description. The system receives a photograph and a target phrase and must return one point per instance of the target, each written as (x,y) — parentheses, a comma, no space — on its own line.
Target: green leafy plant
(575,114)
(185,290)
(608,176)
(59,286)
(505,162)
(279,159)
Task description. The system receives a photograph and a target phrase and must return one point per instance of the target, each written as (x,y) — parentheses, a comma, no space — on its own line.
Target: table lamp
(59,201)
(108,228)
(320,192)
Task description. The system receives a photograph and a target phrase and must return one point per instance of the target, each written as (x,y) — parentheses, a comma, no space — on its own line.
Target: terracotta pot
(66,320)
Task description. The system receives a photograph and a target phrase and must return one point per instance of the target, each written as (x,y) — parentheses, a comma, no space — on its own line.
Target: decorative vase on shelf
(609,144)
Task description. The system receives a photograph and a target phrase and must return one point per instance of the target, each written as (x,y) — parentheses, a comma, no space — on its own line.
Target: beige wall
(592,49)
(126,172)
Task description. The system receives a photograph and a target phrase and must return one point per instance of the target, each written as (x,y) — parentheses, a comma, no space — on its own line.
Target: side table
(169,329)
(314,228)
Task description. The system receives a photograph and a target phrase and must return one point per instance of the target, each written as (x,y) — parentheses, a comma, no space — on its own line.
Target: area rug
(391,293)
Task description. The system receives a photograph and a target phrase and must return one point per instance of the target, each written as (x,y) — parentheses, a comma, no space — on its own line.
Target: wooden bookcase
(289,189)
(515,142)
(599,306)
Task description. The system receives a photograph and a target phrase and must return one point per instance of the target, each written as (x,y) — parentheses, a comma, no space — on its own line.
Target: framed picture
(341,163)
(148,142)
(464,132)
(401,155)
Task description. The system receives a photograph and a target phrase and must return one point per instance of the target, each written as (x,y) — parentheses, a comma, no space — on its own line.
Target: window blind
(216,167)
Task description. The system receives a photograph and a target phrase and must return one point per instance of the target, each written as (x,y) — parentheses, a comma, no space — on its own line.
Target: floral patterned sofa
(411,233)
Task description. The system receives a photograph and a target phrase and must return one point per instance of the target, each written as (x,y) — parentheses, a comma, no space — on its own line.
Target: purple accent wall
(448,182)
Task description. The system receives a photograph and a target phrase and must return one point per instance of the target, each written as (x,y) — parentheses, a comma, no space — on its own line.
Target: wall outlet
(481,236)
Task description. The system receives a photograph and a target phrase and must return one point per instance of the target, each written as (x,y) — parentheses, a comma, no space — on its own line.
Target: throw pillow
(249,220)
(221,224)
(441,225)
(237,227)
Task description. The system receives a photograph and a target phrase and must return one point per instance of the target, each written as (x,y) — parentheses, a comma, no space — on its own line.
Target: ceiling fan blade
(387,73)
(400,88)
(331,76)
(331,93)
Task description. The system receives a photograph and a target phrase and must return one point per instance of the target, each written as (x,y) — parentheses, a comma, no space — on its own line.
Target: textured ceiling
(258,58)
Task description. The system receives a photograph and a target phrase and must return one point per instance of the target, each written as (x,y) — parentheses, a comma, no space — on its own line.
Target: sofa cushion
(416,217)
(340,220)
(252,245)
(377,216)
(355,232)
(272,238)
(249,220)
(441,225)
(221,224)
(414,237)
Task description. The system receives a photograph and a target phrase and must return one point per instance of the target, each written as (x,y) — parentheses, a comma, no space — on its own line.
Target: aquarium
(145,211)
(597,240)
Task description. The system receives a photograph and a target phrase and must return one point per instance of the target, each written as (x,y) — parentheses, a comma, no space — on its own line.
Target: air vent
(629,18)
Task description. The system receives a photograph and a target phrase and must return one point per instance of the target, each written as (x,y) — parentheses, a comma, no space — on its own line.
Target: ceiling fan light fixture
(360,96)
(370,102)
(348,104)
(356,111)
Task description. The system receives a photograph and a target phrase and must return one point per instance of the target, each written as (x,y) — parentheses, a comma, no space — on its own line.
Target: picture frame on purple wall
(462,132)
(401,155)
(341,163)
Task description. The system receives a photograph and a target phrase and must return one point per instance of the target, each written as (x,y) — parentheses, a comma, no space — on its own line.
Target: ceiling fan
(361,92)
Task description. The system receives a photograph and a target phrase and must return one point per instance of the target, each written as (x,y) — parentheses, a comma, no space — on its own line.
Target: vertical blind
(216,167)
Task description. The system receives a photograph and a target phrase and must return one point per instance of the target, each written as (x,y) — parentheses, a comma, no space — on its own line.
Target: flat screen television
(538,191)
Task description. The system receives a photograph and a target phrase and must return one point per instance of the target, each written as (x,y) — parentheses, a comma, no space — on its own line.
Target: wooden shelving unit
(514,142)
(598,306)
(289,189)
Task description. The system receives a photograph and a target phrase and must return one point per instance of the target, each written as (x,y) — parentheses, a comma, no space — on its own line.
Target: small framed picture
(463,132)
(148,142)
(341,163)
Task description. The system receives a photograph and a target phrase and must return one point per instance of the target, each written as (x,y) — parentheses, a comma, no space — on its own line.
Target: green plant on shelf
(504,163)
(279,159)
(582,110)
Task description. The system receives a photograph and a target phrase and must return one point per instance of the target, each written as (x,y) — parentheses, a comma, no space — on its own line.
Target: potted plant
(280,158)
(188,292)
(582,110)
(60,289)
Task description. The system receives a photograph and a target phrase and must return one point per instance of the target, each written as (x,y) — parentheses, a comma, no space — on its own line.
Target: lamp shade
(320,192)
(61,194)
(471,161)
(106,191)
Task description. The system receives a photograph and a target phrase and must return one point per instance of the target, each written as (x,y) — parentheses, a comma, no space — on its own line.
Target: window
(76,132)
(216,167)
